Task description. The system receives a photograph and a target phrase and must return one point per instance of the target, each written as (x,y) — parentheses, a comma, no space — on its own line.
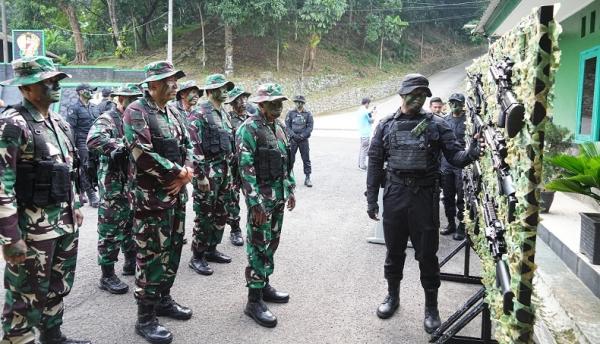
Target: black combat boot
(257,309)
(129,265)
(213,255)
(199,264)
(307,181)
(271,295)
(110,282)
(432,315)
(236,234)
(460,232)
(93,198)
(55,336)
(148,327)
(451,228)
(391,302)
(167,307)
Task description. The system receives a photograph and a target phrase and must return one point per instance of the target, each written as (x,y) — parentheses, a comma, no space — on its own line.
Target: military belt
(411,180)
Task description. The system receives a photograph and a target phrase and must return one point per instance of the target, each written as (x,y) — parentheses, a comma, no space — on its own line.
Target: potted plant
(557,139)
(581,174)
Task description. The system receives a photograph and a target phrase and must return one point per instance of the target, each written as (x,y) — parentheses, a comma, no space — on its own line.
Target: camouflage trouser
(261,245)
(35,289)
(114,229)
(209,207)
(232,206)
(158,236)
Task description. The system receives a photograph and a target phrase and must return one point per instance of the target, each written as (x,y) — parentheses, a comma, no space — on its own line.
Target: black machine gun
(479,199)
(512,112)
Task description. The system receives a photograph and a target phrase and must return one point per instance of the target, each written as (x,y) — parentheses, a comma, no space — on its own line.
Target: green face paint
(456,107)
(51,90)
(273,109)
(192,97)
(86,94)
(219,94)
(414,101)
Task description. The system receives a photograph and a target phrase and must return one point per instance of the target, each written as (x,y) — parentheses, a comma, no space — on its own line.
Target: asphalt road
(334,276)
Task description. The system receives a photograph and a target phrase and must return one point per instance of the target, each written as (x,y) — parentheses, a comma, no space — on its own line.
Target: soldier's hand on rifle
(259,215)
(15,253)
(373,211)
(291,204)
(78,217)
(478,145)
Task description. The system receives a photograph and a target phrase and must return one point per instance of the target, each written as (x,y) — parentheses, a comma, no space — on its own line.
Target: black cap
(458,97)
(412,82)
(85,86)
(106,92)
(300,98)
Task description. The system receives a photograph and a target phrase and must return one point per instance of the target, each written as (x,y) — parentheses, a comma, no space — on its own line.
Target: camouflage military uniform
(115,217)
(206,124)
(159,219)
(35,288)
(232,199)
(271,194)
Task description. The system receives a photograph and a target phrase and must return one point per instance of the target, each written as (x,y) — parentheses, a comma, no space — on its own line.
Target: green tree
(231,13)
(385,25)
(318,17)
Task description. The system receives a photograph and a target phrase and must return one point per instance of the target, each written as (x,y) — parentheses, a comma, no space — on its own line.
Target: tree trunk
(381,53)
(69,9)
(315,38)
(228,50)
(203,42)
(277,54)
(112,13)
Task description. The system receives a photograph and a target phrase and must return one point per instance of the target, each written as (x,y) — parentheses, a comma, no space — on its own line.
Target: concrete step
(567,310)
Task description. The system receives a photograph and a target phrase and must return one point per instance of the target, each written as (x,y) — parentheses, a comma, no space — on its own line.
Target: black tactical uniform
(106,104)
(452,178)
(411,146)
(299,127)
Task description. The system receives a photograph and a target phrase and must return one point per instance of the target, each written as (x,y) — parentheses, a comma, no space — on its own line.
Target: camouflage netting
(534,49)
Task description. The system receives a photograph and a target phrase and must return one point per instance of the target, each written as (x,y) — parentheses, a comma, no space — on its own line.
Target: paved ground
(334,276)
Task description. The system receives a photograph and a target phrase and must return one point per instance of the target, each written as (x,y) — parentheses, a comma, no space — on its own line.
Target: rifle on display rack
(479,200)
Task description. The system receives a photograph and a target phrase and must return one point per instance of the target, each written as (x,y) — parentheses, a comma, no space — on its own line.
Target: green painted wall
(567,77)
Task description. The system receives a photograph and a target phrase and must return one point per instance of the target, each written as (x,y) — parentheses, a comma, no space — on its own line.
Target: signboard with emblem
(27,43)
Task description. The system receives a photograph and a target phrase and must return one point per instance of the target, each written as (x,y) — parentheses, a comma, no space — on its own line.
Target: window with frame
(587,97)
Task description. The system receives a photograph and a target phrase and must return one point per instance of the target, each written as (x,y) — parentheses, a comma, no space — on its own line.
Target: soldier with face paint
(299,124)
(238,99)
(114,214)
(187,97)
(39,207)
(268,184)
(212,134)
(81,116)
(411,141)
(452,179)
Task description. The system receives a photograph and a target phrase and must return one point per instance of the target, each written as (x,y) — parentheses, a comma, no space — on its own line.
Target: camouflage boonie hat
(127,90)
(215,81)
(235,93)
(31,70)
(161,70)
(187,85)
(268,93)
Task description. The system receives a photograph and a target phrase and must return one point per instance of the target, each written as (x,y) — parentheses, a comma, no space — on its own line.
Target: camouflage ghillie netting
(533,46)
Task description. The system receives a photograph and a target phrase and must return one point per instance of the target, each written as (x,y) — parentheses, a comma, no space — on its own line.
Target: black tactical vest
(269,163)
(216,141)
(43,182)
(298,123)
(168,148)
(408,146)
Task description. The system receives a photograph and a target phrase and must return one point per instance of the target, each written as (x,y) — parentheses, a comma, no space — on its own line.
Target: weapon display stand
(447,332)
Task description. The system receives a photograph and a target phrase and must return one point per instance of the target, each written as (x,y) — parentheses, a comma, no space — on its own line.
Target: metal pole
(4,33)
(170,33)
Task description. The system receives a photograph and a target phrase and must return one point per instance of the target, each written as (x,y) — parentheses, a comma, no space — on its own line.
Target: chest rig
(408,145)
(168,148)
(298,123)
(216,141)
(270,164)
(43,182)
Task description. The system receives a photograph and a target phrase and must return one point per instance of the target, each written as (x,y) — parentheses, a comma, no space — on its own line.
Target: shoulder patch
(10,131)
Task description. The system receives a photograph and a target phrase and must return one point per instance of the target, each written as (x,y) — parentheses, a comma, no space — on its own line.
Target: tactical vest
(298,123)
(269,163)
(168,148)
(216,141)
(120,158)
(408,146)
(43,182)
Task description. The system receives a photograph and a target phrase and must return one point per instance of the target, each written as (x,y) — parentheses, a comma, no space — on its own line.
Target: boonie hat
(31,70)
(215,81)
(268,93)
(159,70)
(186,85)
(127,90)
(235,93)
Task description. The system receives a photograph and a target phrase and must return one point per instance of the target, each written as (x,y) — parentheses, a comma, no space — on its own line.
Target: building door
(588,126)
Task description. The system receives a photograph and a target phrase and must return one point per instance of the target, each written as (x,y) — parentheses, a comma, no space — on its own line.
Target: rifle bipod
(465,277)
(446,333)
